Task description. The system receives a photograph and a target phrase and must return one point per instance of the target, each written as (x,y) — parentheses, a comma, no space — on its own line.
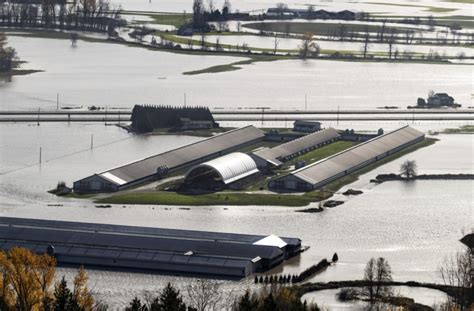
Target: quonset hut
(170,251)
(222,171)
(168,162)
(319,174)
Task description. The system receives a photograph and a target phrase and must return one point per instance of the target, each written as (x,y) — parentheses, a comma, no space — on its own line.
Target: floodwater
(413,225)
(328,298)
(401,7)
(293,44)
(105,74)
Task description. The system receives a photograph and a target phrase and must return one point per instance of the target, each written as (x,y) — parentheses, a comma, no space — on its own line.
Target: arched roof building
(227,169)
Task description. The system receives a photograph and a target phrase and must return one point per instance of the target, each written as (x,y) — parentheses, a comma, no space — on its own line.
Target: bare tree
(309,48)
(203,40)
(408,169)
(377,273)
(391,41)
(456,271)
(275,44)
(204,294)
(366,46)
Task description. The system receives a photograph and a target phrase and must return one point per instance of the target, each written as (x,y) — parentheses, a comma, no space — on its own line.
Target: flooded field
(293,44)
(413,225)
(400,7)
(328,298)
(87,75)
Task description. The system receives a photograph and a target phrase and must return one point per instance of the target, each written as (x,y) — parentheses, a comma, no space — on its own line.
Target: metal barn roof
(357,155)
(274,155)
(169,250)
(231,167)
(220,143)
(140,231)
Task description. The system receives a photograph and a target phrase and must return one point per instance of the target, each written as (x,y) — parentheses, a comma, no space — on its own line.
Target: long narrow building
(284,152)
(321,173)
(168,162)
(169,251)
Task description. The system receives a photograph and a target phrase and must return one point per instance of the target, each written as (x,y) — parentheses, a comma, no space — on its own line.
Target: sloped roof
(271,240)
(274,154)
(146,167)
(347,159)
(231,167)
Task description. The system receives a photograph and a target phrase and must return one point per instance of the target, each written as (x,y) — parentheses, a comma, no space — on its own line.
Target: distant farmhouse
(288,13)
(437,100)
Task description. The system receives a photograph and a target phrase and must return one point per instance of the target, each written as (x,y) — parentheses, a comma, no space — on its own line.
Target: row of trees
(205,295)
(7,54)
(202,14)
(91,15)
(26,284)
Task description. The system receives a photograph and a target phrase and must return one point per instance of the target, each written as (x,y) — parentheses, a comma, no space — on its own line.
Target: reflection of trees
(92,15)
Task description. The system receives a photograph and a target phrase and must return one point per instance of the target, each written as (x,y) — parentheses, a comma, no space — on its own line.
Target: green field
(223,198)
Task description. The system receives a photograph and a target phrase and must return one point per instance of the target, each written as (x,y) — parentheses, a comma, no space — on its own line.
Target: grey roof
(357,155)
(275,154)
(140,231)
(187,154)
(231,167)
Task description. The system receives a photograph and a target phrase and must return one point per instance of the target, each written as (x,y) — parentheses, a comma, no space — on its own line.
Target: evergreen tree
(246,303)
(63,299)
(136,305)
(169,300)
(269,304)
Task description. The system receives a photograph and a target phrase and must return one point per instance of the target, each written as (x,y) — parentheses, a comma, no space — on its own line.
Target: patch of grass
(173,19)
(236,65)
(464,129)
(239,199)
(323,152)
(433,9)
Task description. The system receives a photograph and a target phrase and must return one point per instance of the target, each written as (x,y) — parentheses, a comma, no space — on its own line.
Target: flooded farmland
(87,75)
(413,225)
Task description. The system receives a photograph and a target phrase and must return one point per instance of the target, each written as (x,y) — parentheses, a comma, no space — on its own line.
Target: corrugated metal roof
(177,157)
(140,231)
(292,147)
(231,167)
(347,159)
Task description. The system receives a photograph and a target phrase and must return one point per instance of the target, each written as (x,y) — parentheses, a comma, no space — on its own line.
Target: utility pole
(92,141)
(105,115)
(39,116)
(40,156)
(57,101)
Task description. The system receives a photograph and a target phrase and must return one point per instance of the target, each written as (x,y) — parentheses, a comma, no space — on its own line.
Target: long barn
(168,162)
(321,173)
(169,251)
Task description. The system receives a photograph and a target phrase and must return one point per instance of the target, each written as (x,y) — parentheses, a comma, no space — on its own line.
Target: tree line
(90,15)
(7,54)
(147,118)
(205,295)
